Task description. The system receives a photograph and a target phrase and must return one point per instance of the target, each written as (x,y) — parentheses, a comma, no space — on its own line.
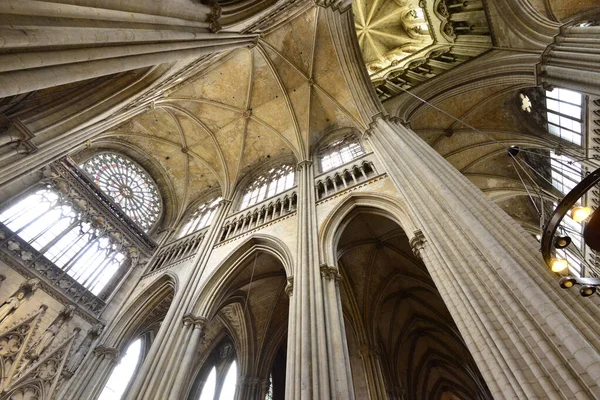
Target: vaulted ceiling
(253,311)
(275,99)
(389,31)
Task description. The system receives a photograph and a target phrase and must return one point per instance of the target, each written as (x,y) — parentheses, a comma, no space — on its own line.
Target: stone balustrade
(178,250)
(260,214)
(345,176)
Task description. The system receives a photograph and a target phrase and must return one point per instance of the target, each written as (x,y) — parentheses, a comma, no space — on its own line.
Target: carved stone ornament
(330,273)
(83,348)
(289,287)
(109,353)
(197,322)
(417,243)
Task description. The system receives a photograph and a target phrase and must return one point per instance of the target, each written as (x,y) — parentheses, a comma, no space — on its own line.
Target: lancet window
(121,376)
(128,185)
(339,152)
(564,114)
(201,218)
(53,226)
(273,182)
(223,390)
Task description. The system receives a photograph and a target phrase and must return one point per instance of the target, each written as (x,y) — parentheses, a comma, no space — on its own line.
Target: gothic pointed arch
(208,302)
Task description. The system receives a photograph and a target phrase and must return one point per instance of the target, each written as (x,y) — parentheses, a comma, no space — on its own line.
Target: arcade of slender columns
(529,339)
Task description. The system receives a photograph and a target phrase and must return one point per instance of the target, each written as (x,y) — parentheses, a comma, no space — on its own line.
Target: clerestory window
(128,185)
(273,182)
(564,114)
(339,153)
(201,218)
(59,231)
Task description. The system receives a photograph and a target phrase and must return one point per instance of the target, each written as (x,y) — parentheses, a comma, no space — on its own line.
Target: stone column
(170,347)
(573,60)
(310,368)
(193,331)
(94,374)
(529,338)
(337,345)
(373,372)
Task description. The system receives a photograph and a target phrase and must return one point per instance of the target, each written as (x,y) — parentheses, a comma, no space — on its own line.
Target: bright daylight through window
(201,218)
(566,173)
(564,114)
(128,185)
(339,152)
(275,181)
(56,229)
(227,389)
(121,375)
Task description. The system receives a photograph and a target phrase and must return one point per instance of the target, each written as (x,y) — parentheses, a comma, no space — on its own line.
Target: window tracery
(273,182)
(201,218)
(59,231)
(564,114)
(128,185)
(339,152)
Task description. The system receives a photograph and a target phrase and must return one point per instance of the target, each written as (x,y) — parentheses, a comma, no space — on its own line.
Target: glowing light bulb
(568,284)
(580,213)
(559,264)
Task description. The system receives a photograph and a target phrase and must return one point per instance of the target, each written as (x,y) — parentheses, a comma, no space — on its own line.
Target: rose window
(128,185)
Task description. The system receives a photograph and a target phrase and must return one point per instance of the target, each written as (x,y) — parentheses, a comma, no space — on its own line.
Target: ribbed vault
(394,310)
(276,98)
(482,156)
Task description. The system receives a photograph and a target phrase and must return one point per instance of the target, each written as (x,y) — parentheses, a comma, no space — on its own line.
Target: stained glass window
(339,153)
(275,181)
(201,218)
(128,185)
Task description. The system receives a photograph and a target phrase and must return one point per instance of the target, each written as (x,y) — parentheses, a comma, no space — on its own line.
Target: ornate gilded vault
(407,42)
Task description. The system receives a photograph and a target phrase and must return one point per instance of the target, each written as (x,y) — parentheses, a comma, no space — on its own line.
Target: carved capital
(417,243)
(289,287)
(110,353)
(303,164)
(330,273)
(197,322)
(368,351)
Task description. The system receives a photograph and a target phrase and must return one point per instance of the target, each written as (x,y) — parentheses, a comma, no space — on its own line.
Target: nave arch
(402,340)
(245,301)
